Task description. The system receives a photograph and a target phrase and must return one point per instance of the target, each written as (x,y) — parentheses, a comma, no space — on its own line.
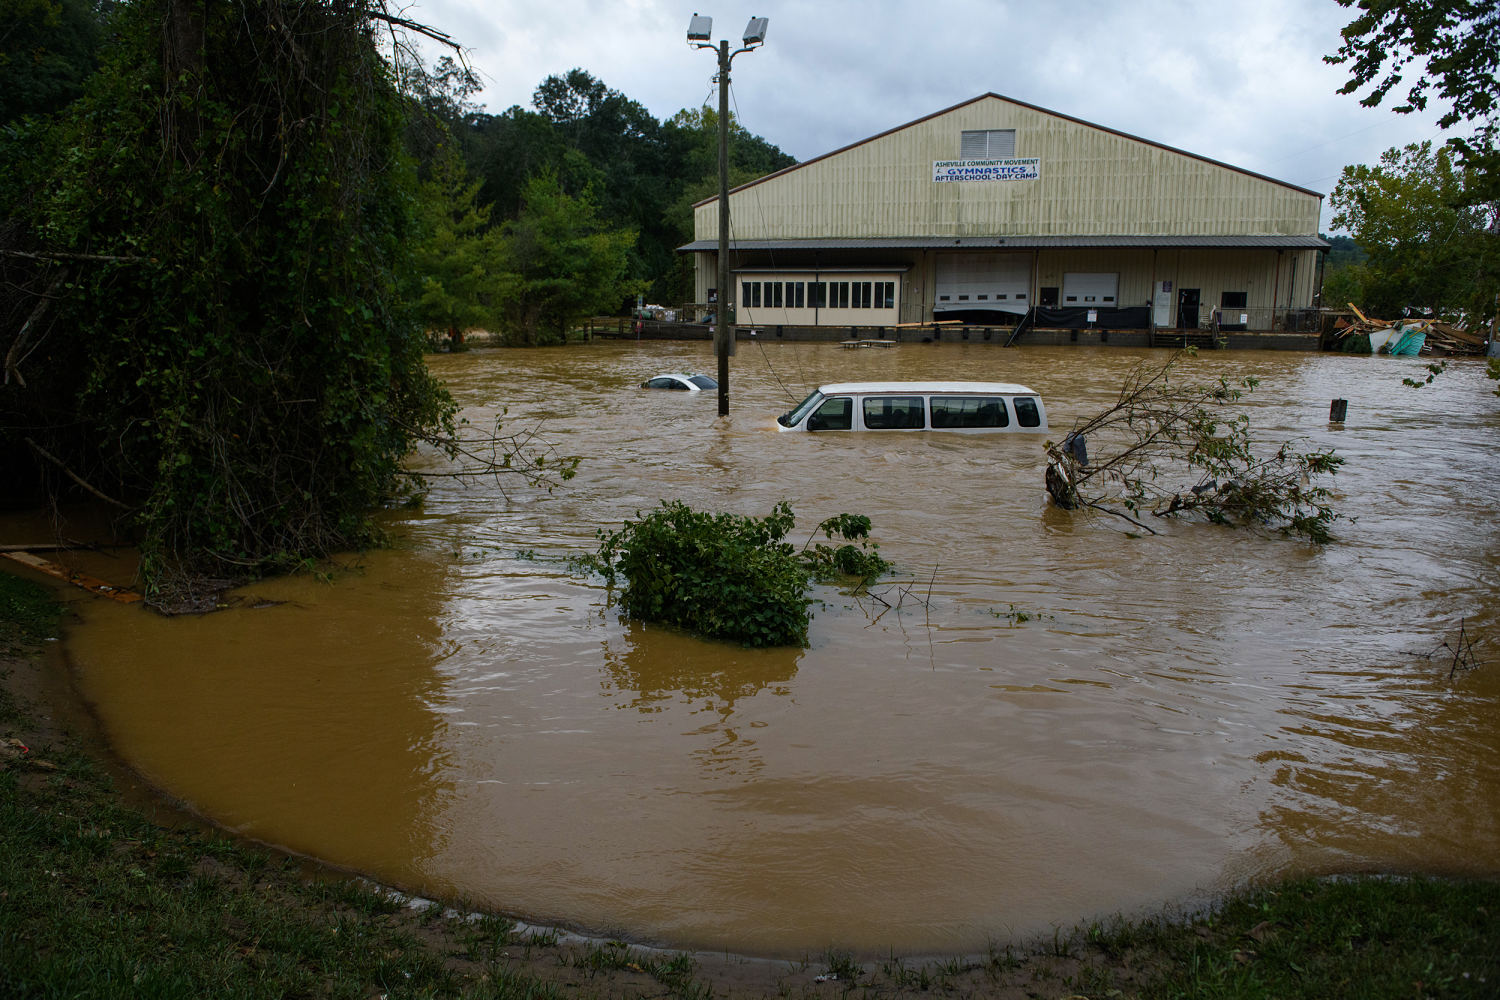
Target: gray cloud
(1241,82)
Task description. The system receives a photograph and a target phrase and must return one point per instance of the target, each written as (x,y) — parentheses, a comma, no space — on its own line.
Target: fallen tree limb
(43,452)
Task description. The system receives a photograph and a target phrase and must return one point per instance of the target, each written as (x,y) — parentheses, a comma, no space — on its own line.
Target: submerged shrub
(727,576)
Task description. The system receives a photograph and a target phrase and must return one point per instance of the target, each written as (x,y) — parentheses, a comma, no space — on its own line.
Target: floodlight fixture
(755,31)
(699,30)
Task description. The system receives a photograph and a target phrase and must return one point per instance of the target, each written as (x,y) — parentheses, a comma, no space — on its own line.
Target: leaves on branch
(1169,447)
(727,576)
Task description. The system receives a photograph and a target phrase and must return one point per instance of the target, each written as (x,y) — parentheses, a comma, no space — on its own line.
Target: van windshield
(802,409)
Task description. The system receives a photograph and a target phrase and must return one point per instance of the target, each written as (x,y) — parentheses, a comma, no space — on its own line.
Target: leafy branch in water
(1434,369)
(861,562)
(1168,447)
(728,576)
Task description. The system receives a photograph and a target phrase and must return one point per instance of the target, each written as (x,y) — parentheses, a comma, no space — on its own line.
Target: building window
(795,294)
(819,295)
(888,297)
(1233,300)
(838,295)
(987,144)
(773,294)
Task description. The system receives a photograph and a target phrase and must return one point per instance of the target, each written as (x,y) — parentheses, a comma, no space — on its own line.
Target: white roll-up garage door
(1000,281)
(1082,290)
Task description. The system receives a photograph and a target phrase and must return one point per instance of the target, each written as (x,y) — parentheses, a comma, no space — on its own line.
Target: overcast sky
(1241,82)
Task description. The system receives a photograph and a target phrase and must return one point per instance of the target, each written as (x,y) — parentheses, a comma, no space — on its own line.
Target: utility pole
(699,31)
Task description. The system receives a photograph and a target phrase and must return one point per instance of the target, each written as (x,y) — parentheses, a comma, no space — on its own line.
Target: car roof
(927,388)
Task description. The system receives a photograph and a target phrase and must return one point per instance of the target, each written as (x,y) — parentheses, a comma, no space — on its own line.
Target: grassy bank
(99,899)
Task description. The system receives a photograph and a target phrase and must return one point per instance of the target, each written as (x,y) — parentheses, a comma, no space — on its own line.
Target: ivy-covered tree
(220,336)
(1431,241)
(561,264)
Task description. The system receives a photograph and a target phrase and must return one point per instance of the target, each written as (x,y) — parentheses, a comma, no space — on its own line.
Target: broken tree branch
(73,475)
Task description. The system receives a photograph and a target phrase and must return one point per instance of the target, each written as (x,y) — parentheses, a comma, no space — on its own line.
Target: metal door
(1187,309)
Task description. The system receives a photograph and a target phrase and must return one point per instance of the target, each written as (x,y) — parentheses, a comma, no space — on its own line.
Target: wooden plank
(89,583)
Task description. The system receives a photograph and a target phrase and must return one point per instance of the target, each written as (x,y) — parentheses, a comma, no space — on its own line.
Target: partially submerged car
(966,407)
(681,381)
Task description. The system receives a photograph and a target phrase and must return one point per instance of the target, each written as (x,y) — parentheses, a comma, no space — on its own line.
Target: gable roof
(1157,242)
(1020,104)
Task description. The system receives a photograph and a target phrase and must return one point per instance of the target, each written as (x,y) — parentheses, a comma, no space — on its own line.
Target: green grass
(1359,937)
(28,614)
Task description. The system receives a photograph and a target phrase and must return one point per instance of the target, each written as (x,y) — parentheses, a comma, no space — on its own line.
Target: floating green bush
(725,576)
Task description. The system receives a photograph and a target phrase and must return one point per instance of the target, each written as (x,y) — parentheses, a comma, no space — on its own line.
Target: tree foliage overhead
(1446,48)
(220,339)
(1430,236)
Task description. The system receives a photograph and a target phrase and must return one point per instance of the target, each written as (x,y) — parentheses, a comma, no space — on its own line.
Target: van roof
(927,388)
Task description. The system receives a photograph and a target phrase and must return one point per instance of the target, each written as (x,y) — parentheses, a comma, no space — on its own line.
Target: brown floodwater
(1056,720)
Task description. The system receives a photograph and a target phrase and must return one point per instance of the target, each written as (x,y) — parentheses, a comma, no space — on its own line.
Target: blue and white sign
(987,170)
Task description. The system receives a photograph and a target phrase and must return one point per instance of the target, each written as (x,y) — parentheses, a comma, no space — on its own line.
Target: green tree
(505,151)
(1450,48)
(1431,241)
(48,48)
(457,258)
(1344,272)
(561,264)
(229,354)
(693,138)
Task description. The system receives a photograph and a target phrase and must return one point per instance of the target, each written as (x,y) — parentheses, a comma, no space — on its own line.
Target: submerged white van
(966,407)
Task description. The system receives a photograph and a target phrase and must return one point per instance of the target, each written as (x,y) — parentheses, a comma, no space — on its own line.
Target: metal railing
(1262,319)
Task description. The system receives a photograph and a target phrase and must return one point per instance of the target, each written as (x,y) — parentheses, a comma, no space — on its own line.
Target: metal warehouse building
(998,213)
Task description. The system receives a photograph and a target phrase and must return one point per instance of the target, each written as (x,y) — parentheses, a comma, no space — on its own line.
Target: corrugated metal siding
(1091,182)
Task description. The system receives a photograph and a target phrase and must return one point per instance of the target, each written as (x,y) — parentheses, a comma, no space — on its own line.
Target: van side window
(968,411)
(894,413)
(1027,414)
(836,414)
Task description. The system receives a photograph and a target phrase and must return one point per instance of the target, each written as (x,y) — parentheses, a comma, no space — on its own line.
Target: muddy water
(463,715)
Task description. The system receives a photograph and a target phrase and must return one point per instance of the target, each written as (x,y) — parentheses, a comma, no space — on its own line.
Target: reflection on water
(1172,714)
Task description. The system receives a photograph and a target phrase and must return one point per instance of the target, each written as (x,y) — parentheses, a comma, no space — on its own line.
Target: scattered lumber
(1369,335)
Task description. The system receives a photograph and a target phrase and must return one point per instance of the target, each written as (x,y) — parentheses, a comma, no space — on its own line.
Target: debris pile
(1409,337)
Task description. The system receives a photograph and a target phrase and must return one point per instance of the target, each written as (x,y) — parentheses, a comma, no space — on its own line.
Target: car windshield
(703,381)
(801,410)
